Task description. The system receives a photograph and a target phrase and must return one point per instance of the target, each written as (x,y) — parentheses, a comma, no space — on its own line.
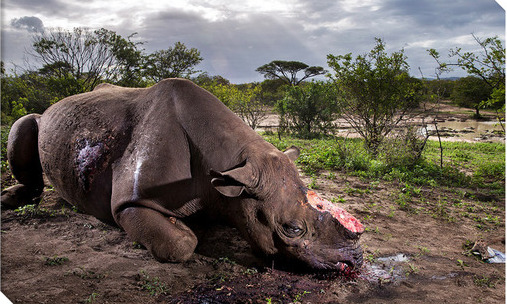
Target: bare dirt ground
(57,255)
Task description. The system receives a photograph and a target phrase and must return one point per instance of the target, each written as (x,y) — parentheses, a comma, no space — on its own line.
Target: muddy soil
(55,254)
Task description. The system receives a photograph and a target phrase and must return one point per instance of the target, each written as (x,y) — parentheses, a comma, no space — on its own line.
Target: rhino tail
(24,162)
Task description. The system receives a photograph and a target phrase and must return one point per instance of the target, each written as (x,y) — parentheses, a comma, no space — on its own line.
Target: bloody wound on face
(346,219)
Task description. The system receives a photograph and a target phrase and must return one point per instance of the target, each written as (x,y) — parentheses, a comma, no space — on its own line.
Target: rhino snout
(330,259)
(349,262)
(356,260)
(350,235)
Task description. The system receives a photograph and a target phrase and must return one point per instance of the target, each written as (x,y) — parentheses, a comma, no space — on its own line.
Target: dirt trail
(61,256)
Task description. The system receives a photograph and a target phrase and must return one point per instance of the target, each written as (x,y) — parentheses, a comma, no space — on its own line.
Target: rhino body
(146,159)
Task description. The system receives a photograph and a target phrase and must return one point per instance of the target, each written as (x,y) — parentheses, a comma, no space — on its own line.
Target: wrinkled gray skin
(146,159)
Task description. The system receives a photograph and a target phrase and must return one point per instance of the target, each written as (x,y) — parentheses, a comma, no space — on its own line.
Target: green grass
(478,165)
(467,156)
(55,260)
(153,285)
(35,211)
(486,282)
(91,298)
(330,153)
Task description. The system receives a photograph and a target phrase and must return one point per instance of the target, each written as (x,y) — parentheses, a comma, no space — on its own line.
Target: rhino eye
(293,230)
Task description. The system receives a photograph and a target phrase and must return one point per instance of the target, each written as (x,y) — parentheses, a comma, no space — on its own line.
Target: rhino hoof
(178,251)
(17,196)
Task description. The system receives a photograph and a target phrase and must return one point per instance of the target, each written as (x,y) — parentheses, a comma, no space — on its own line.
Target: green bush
(308,110)
(471,92)
(376,92)
(403,150)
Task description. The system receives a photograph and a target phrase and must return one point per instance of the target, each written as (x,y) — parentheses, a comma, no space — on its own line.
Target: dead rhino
(146,159)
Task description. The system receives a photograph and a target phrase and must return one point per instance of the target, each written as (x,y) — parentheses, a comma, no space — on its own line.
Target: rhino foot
(18,196)
(167,238)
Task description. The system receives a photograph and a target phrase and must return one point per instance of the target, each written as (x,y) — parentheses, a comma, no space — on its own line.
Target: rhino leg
(159,157)
(167,238)
(24,161)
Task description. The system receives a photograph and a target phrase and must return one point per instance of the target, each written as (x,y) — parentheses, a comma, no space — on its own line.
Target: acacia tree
(376,92)
(488,64)
(90,57)
(177,61)
(288,70)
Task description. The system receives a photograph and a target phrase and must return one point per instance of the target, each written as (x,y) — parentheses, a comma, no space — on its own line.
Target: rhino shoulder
(175,83)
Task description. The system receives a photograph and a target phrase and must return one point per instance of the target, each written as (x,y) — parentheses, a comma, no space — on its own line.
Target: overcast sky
(235,39)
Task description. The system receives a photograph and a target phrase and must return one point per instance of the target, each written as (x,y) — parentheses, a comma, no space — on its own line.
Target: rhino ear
(293,153)
(232,183)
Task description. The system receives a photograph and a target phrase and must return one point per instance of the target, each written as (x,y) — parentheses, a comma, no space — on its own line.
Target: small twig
(441,148)
(500,120)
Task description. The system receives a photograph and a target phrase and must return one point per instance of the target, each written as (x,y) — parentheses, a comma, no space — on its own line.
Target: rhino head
(279,216)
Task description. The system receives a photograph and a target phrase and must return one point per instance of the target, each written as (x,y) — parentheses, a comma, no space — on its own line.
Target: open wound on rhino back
(346,219)
(90,160)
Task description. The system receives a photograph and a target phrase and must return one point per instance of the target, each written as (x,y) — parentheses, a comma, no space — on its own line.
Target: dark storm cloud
(443,25)
(46,7)
(411,25)
(448,14)
(235,46)
(31,24)
(234,39)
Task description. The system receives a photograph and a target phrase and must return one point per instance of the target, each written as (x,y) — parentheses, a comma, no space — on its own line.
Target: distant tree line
(75,61)
(373,92)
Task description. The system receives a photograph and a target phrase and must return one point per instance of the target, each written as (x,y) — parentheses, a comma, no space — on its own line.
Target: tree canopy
(177,61)
(242,99)
(75,61)
(89,57)
(376,91)
(470,92)
(487,64)
(309,109)
(288,70)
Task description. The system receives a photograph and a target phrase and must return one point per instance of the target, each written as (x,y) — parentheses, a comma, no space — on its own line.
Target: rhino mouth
(343,266)
(326,259)
(347,264)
